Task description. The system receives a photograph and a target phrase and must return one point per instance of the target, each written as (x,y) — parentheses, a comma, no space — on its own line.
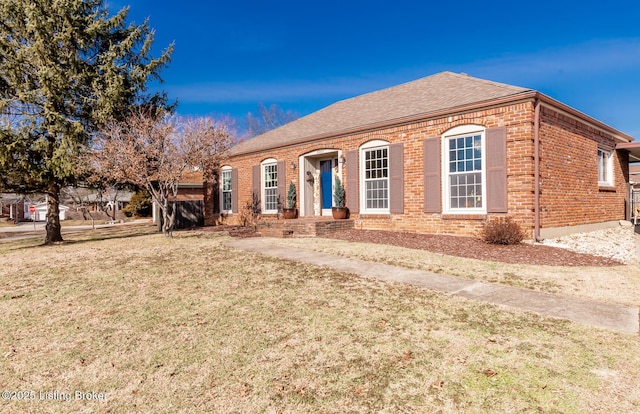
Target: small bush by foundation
(502,230)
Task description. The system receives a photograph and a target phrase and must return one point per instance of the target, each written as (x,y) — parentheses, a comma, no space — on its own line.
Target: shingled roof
(424,96)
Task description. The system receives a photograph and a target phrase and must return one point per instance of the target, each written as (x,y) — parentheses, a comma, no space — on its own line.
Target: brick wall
(570,194)
(190,194)
(566,200)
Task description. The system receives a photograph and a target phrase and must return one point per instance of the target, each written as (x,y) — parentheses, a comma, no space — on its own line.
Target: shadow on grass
(80,236)
(108,233)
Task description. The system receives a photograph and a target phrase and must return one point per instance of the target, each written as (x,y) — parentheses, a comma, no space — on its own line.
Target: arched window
(269,183)
(226,189)
(463,169)
(374,177)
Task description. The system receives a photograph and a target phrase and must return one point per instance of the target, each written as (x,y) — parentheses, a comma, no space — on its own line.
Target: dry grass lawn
(619,284)
(188,325)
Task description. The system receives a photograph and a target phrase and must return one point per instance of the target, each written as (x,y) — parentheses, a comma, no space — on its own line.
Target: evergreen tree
(67,67)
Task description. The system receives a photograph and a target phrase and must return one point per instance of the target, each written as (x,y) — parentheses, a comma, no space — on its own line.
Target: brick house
(14,206)
(440,155)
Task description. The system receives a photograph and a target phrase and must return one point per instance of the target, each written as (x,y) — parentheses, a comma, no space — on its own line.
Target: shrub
(251,211)
(338,193)
(139,205)
(291,195)
(502,230)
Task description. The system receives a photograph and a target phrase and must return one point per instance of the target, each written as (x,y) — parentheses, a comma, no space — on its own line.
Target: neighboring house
(16,207)
(440,155)
(93,200)
(41,212)
(12,206)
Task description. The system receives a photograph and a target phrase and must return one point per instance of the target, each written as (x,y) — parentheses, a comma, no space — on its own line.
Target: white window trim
(457,132)
(222,170)
(263,201)
(375,144)
(609,168)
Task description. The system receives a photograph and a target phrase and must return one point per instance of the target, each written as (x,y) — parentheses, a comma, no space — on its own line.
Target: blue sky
(304,55)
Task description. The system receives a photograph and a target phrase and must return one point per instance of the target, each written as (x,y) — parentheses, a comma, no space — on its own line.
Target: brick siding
(569,191)
(570,194)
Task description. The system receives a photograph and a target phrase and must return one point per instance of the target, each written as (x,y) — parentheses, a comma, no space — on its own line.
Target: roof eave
(582,117)
(520,97)
(633,148)
(529,95)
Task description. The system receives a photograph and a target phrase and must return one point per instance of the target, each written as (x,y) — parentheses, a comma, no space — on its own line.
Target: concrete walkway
(599,314)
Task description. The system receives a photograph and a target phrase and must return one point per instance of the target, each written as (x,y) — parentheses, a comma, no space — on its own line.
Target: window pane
(226,190)
(226,200)
(603,167)
(376,182)
(465,172)
(271,187)
(226,180)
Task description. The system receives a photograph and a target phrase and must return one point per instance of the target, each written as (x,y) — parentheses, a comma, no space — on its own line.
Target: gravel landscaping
(616,243)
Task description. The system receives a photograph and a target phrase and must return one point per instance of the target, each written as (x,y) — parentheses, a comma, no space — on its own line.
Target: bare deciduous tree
(268,119)
(82,198)
(154,150)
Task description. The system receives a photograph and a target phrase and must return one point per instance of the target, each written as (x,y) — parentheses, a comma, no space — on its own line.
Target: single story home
(41,212)
(440,154)
(12,206)
(16,207)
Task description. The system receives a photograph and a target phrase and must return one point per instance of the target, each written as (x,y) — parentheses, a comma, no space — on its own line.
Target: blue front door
(326,183)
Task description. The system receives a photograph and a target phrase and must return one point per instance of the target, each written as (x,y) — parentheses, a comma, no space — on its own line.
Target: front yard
(189,325)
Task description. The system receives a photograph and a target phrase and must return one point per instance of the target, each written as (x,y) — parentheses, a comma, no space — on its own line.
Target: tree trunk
(53,215)
(168,214)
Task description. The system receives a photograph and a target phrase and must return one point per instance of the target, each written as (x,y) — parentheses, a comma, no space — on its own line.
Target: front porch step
(302,227)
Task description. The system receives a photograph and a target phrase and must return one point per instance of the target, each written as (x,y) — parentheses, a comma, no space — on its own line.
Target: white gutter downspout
(536,157)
